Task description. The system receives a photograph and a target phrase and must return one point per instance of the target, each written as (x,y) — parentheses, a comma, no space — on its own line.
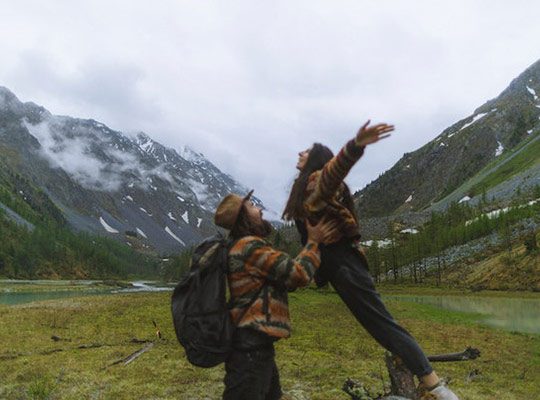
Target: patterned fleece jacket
(256,267)
(325,189)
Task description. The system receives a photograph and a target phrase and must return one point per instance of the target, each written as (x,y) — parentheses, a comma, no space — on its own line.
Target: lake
(513,314)
(25,291)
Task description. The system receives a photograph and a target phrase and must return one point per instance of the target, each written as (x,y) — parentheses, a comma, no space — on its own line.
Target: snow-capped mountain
(129,187)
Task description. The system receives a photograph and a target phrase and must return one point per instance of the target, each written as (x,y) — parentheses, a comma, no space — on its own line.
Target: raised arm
(335,170)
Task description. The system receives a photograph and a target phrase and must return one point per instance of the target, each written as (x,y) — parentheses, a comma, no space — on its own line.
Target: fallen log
(133,356)
(138,353)
(59,339)
(470,353)
(92,345)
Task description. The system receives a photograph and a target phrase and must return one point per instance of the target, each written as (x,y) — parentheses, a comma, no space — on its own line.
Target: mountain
(492,153)
(128,187)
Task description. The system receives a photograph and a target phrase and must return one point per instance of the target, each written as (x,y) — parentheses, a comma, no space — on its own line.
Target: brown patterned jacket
(324,192)
(255,265)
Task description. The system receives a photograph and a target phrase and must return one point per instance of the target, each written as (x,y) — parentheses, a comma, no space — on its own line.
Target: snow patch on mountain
(185,217)
(168,230)
(409,230)
(107,227)
(140,232)
(476,118)
(380,243)
(499,150)
(532,92)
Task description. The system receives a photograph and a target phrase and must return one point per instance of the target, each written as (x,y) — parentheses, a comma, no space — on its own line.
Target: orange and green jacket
(256,267)
(325,188)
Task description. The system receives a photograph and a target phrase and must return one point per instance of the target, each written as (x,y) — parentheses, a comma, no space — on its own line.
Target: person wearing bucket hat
(259,279)
(229,209)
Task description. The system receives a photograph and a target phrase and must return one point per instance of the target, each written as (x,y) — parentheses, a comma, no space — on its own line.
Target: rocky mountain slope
(494,152)
(128,187)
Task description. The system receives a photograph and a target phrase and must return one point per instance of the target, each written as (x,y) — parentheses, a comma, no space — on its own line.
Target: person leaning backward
(258,271)
(319,192)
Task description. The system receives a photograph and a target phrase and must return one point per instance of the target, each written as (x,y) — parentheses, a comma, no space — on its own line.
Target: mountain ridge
(109,183)
(433,172)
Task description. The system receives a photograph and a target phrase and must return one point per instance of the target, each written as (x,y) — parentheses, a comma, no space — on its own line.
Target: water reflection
(22,291)
(519,315)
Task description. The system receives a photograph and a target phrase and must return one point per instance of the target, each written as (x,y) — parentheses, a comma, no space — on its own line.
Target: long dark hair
(318,156)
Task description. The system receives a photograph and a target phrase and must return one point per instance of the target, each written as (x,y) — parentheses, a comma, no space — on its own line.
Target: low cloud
(74,152)
(92,159)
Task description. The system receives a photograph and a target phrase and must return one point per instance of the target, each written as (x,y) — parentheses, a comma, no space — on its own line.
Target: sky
(250,84)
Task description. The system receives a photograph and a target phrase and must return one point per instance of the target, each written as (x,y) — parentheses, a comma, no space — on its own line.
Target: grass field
(327,346)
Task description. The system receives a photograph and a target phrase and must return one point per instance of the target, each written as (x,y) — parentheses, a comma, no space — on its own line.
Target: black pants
(348,273)
(250,371)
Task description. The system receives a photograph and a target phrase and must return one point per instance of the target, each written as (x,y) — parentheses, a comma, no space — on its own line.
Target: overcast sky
(249,84)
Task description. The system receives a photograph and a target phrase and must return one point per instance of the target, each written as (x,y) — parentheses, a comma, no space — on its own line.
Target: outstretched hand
(372,134)
(323,232)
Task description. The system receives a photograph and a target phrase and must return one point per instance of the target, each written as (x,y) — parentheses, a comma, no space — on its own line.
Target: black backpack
(199,305)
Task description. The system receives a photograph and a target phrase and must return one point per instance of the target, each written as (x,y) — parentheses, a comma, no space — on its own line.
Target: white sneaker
(443,393)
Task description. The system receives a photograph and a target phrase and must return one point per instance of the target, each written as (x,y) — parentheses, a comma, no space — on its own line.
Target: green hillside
(518,160)
(45,247)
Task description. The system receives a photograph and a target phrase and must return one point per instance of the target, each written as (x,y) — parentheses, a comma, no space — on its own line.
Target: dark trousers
(348,273)
(250,371)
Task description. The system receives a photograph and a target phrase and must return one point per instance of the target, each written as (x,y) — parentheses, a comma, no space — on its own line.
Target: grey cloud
(75,154)
(104,89)
(249,85)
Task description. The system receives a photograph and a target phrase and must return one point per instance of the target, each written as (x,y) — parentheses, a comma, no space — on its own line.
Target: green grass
(527,158)
(327,346)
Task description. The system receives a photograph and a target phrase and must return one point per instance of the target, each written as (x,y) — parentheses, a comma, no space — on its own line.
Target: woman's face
(302,159)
